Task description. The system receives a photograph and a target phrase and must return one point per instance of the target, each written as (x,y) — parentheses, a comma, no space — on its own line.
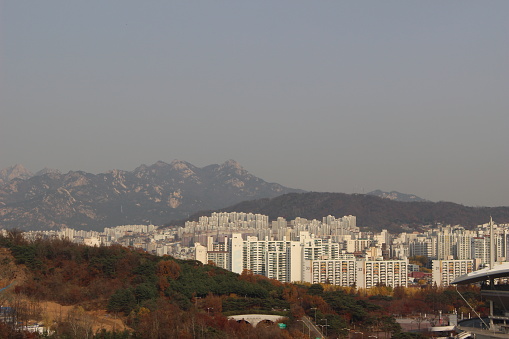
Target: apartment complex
(331,250)
(445,271)
(309,259)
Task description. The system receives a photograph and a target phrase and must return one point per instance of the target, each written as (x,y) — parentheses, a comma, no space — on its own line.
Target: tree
(80,323)
(168,268)
(389,325)
(144,292)
(315,289)
(399,292)
(420,260)
(123,300)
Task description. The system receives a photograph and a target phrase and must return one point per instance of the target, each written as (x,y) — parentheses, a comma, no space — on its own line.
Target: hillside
(161,297)
(372,212)
(149,194)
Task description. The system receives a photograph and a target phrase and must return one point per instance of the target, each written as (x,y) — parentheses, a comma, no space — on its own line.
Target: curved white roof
(500,270)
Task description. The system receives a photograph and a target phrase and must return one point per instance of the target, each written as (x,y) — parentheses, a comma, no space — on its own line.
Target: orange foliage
(162,284)
(247,275)
(168,268)
(213,302)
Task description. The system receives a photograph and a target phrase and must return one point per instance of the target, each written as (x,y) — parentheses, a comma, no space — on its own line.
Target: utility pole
(326,325)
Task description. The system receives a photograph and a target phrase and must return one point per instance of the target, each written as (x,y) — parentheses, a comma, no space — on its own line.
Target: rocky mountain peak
(160,167)
(160,193)
(13,172)
(179,164)
(160,164)
(232,165)
(185,169)
(141,168)
(46,170)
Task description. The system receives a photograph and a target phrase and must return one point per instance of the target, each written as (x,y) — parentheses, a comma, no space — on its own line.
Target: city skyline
(328,97)
(324,250)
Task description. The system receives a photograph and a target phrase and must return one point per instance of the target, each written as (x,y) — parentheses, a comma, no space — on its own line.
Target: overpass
(254,319)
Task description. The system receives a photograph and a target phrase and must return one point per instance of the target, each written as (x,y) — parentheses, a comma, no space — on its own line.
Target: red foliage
(168,268)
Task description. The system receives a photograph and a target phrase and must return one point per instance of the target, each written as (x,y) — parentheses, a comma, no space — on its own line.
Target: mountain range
(150,194)
(373,213)
(163,193)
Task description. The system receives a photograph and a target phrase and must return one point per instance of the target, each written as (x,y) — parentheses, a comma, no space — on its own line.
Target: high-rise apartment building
(337,272)
(445,271)
(310,259)
(372,273)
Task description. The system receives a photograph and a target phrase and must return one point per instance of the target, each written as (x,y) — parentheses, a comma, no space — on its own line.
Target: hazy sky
(338,96)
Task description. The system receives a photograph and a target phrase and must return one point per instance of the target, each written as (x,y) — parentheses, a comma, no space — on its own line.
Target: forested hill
(371,211)
(162,297)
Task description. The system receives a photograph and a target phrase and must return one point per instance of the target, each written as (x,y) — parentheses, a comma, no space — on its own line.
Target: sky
(333,96)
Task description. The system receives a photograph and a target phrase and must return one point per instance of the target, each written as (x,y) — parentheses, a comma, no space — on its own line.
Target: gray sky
(339,96)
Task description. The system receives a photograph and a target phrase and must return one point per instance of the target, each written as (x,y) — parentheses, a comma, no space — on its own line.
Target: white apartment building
(310,259)
(463,246)
(359,273)
(481,249)
(444,246)
(445,271)
(254,255)
(219,258)
(358,245)
(371,273)
(422,246)
(337,272)
(277,264)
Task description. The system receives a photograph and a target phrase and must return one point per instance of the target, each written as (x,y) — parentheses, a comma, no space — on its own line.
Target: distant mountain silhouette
(373,213)
(14,172)
(155,194)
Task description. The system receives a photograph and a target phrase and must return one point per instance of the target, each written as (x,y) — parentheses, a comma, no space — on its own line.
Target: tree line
(161,297)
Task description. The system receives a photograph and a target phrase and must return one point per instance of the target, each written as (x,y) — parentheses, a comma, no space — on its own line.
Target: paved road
(312,329)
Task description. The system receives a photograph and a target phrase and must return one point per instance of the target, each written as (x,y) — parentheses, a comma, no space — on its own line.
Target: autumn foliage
(161,297)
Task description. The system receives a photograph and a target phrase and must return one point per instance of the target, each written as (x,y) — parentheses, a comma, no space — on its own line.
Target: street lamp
(208,309)
(326,325)
(309,328)
(322,326)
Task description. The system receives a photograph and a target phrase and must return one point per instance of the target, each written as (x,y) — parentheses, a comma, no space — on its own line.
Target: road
(312,328)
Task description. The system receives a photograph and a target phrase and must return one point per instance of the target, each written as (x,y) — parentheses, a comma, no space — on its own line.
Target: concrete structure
(254,319)
(337,272)
(310,259)
(494,288)
(371,273)
(445,271)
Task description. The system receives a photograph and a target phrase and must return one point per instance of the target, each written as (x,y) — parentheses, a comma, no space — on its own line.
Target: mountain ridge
(149,194)
(373,213)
